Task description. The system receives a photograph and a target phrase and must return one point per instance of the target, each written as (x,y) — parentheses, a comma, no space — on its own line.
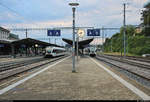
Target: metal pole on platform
(103,40)
(77,46)
(73,26)
(49,40)
(73,54)
(26,33)
(124,31)
(55,41)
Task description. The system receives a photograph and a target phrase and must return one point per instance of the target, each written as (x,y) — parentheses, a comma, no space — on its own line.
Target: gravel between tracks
(141,75)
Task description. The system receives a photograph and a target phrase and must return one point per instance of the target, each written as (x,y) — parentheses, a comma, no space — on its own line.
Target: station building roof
(3,29)
(27,41)
(4,41)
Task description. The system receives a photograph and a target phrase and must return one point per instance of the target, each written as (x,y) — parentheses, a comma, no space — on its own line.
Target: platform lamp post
(73,5)
(36,49)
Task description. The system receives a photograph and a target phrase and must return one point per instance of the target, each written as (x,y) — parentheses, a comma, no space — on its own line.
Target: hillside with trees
(136,44)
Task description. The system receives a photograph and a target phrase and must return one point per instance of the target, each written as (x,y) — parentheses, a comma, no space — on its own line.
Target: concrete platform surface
(90,82)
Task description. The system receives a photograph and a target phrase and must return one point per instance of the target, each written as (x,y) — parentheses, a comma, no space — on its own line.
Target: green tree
(146,19)
(130,30)
(137,45)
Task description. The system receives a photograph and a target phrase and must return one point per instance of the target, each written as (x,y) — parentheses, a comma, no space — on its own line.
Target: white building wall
(4,34)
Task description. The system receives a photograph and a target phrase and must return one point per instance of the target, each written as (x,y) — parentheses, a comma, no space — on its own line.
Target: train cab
(54,51)
(90,51)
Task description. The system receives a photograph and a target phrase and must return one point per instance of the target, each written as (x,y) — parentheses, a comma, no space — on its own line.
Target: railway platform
(92,81)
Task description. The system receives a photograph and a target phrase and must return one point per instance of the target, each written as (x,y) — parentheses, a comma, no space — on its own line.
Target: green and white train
(54,51)
(90,51)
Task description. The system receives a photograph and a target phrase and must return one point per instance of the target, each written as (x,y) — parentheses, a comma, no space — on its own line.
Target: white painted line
(125,83)
(2,91)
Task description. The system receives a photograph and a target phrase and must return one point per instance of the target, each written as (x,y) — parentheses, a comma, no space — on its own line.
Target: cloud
(57,13)
(8,17)
(42,24)
(89,12)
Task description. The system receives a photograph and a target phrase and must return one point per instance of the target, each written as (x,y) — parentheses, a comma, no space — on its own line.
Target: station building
(5,41)
(13,37)
(10,44)
(4,33)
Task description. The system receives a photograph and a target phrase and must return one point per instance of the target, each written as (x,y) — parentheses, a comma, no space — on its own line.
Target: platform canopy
(82,44)
(4,42)
(31,42)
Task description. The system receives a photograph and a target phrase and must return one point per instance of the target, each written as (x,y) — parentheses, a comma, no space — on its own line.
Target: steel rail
(19,64)
(144,77)
(36,65)
(132,58)
(9,66)
(128,62)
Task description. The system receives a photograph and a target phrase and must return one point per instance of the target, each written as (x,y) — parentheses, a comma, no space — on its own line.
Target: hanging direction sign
(53,32)
(93,32)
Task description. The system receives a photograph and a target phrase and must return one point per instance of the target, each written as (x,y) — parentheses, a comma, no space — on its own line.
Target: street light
(73,5)
(36,46)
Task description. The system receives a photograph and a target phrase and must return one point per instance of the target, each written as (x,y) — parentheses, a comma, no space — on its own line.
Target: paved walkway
(59,83)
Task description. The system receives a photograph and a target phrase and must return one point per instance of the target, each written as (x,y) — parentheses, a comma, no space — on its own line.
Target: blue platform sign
(93,32)
(96,32)
(53,32)
(90,32)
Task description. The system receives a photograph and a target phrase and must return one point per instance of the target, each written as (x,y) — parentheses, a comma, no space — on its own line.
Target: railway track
(16,68)
(134,68)
(132,58)
(130,62)
(6,61)
(12,65)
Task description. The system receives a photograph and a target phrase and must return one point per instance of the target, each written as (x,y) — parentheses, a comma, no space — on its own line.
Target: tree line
(136,43)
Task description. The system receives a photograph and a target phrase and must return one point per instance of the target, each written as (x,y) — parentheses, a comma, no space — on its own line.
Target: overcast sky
(57,13)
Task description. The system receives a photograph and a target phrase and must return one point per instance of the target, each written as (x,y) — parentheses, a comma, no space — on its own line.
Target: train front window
(48,51)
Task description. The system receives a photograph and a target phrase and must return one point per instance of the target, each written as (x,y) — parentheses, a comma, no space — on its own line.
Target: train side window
(58,51)
(54,51)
